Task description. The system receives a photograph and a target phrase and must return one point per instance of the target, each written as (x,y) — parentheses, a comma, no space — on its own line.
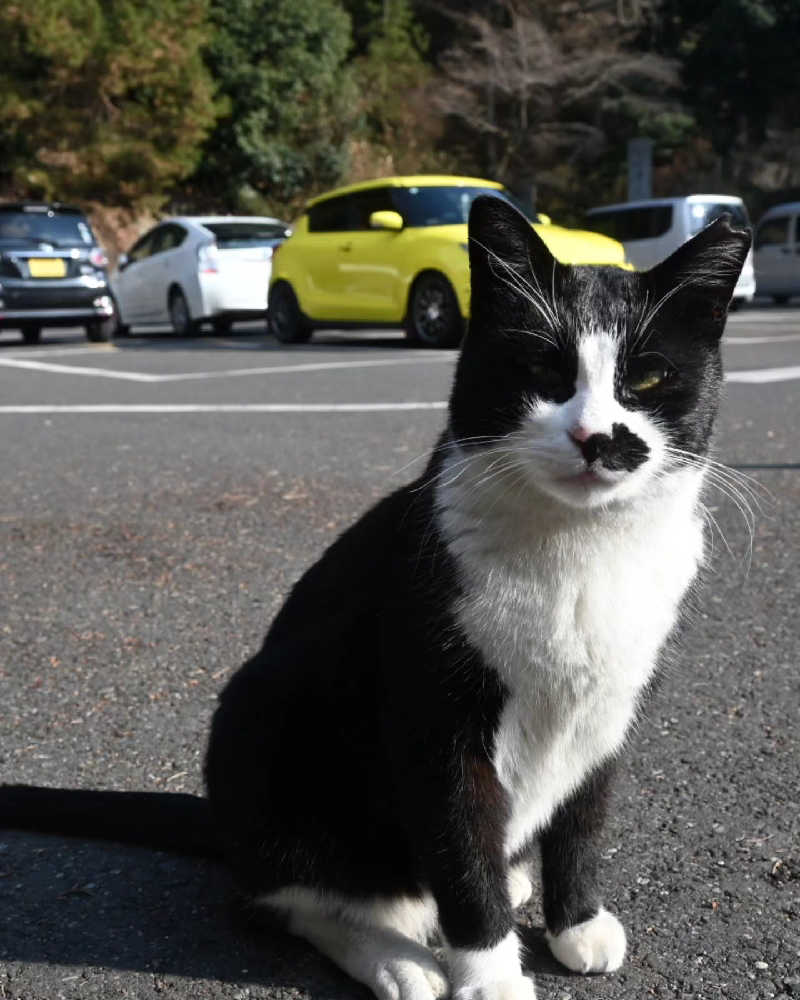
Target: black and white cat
(446,690)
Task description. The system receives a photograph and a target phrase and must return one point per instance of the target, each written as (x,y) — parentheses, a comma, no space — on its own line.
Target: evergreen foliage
(254,105)
(102,99)
(291,104)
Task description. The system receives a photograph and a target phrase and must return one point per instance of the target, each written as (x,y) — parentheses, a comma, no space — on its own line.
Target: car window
(442,205)
(143,247)
(772,232)
(330,216)
(797,229)
(364,203)
(702,214)
(646,222)
(46,225)
(165,237)
(239,235)
(169,237)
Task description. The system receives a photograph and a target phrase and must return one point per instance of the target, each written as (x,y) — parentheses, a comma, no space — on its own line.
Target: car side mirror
(386,220)
(122,261)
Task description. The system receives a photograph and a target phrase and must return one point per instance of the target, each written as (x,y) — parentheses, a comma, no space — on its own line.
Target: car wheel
(221,325)
(31,334)
(119,328)
(286,321)
(433,318)
(100,330)
(780,300)
(179,315)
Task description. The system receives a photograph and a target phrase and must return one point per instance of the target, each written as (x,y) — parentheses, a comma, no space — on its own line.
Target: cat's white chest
(574,626)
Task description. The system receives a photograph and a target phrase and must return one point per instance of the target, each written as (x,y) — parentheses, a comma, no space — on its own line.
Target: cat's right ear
(708,264)
(505,252)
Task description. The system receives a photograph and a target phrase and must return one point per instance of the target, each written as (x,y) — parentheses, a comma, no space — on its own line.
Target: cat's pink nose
(579,433)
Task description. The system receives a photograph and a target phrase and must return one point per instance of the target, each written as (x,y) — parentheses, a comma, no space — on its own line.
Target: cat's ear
(702,273)
(506,254)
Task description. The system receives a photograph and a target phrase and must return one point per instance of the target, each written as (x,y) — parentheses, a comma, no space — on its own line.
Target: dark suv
(52,271)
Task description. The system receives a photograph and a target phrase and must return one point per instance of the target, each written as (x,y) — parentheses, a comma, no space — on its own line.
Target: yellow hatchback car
(392,252)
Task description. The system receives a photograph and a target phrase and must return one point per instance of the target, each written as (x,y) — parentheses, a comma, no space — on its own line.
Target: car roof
(786,206)
(40,206)
(411,180)
(202,220)
(725,199)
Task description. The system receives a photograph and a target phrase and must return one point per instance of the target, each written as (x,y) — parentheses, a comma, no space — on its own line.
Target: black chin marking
(621,450)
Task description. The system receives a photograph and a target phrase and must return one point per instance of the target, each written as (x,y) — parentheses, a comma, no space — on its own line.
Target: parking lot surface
(160,496)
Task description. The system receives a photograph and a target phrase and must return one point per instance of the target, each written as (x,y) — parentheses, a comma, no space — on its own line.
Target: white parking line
(43,366)
(785,316)
(224,407)
(780,339)
(760,375)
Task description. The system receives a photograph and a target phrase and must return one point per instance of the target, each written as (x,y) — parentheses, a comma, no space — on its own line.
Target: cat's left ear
(506,256)
(702,274)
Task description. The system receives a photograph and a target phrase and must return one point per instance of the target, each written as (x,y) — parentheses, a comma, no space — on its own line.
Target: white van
(650,230)
(777,252)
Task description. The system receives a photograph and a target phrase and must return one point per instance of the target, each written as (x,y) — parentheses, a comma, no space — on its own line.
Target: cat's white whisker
(715,527)
(517,282)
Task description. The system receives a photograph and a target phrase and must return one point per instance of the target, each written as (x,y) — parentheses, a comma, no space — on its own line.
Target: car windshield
(239,235)
(58,228)
(444,205)
(703,213)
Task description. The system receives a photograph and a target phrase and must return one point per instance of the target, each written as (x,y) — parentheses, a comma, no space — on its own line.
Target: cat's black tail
(169,821)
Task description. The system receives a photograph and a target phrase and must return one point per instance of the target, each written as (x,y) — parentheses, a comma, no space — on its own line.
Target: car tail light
(208,259)
(97,257)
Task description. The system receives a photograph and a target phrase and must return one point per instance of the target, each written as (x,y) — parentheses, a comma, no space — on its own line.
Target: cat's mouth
(592,477)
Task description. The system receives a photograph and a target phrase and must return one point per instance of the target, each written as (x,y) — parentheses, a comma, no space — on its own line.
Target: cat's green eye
(647,380)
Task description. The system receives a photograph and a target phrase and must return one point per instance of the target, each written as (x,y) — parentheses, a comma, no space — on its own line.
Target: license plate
(47,267)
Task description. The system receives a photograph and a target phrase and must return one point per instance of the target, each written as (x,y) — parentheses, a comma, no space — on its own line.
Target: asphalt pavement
(160,496)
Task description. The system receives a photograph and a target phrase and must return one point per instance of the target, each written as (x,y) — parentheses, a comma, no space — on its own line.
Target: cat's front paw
(519,886)
(409,979)
(514,988)
(596,945)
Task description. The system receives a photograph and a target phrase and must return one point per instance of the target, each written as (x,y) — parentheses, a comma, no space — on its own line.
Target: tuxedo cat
(444,693)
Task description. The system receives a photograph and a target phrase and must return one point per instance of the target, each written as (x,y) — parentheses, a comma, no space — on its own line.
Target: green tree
(739,64)
(399,121)
(291,105)
(103,99)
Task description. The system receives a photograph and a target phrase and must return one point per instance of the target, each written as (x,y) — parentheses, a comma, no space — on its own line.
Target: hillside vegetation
(136,107)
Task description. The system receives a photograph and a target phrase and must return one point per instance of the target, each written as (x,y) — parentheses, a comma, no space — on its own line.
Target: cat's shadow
(68,903)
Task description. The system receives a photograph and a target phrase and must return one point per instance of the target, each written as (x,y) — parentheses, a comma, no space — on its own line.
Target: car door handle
(786,249)
(346,247)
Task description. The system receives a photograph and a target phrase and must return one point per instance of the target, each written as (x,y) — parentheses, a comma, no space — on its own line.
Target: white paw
(596,945)
(409,979)
(514,988)
(519,886)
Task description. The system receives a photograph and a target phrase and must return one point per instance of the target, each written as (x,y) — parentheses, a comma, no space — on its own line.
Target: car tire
(179,315)
(221,325)
(31,334)
(433,318)
(780,300)
(119,328)
(285,318)
(100,330)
